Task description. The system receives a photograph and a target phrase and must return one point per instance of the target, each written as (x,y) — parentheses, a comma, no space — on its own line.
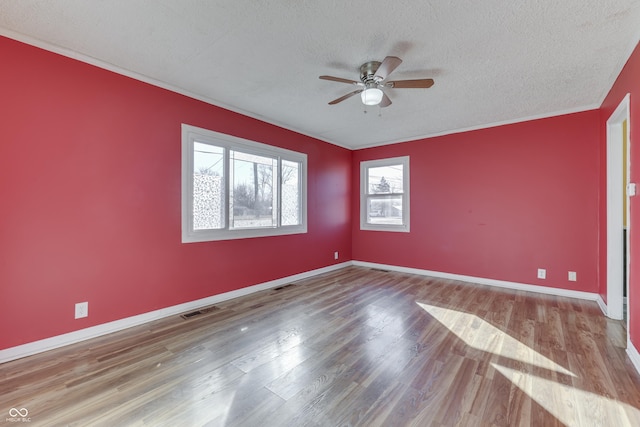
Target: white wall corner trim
(47,344)
(490,282)
(616,259)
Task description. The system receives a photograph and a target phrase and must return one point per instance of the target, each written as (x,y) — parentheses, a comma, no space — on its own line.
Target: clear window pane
(384,210)
(208,187)
(233,188)
(385,179)
(253,195)
(290,193)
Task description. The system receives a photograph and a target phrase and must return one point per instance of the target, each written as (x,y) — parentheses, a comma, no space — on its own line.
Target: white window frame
(364,194)
(192,134)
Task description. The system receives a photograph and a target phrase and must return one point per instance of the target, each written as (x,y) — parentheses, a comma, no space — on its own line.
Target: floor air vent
(279,288)
(380,270)
(198,312)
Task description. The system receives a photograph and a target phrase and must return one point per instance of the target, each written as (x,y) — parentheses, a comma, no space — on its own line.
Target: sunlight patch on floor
(570,405)
(482,335)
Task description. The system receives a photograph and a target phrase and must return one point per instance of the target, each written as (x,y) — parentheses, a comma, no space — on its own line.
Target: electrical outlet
(542,273)
(572,276)
(335,255)
(82,309)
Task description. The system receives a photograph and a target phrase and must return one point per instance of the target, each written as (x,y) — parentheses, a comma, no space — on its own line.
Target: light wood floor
(353,347)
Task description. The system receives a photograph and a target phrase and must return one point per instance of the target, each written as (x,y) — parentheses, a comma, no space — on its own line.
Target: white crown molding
(483,126)
(50,47)
(158,83)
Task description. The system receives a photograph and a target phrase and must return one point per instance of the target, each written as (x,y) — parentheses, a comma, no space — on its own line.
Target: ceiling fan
(372,81)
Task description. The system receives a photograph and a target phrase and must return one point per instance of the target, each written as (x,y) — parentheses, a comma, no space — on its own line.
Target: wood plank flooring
(355,347)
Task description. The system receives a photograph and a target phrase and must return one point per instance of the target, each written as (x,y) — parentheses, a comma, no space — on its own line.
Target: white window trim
(191,134)
(364,166)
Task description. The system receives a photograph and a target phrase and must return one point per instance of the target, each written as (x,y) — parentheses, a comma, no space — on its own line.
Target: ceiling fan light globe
(371,96)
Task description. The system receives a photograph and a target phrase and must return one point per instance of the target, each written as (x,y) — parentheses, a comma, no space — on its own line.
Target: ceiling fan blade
(340,80)
(410,84)
(342,98)
(389,64)
(385,101)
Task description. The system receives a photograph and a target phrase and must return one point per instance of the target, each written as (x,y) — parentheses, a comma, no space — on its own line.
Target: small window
(384,189)
(233,188)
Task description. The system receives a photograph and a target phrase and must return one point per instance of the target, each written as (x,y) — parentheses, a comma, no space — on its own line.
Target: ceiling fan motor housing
(368,71)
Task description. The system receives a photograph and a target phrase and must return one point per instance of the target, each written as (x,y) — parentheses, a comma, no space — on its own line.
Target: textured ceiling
(493,61)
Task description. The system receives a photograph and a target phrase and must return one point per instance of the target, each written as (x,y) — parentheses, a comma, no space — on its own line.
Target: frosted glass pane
(208,187)
(290,193)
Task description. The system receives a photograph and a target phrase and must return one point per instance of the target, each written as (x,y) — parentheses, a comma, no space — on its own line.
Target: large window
(384,190)
(233,188)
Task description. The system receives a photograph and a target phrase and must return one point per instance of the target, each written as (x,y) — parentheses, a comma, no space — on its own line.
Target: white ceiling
(493,61)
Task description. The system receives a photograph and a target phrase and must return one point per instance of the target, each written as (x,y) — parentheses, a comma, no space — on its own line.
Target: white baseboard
(46,344)
(602,306)
(634,356)
(479,280)
(118,325)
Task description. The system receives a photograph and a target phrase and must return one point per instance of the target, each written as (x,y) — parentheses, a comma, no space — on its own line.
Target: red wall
(498,203)
(627,82)
(90,187)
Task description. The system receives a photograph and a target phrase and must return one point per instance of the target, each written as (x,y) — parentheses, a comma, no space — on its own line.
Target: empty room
(282,213)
